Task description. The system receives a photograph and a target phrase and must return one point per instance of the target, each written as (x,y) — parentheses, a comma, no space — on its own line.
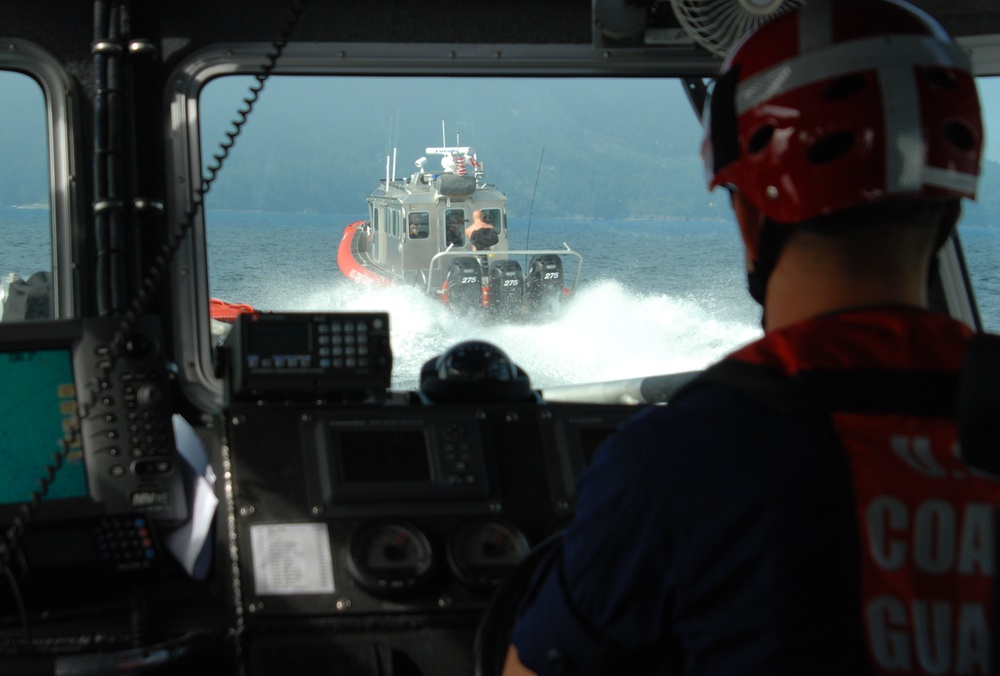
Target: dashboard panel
(406,507)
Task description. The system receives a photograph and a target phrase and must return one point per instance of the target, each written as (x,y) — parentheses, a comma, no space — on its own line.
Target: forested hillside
(558,147)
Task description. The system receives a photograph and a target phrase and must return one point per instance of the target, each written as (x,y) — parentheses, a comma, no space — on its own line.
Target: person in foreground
(803,508)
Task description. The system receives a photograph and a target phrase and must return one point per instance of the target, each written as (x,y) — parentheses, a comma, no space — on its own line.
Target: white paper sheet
(291,559)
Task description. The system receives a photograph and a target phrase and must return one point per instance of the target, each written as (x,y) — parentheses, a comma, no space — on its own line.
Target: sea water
(653,297)
(642,304)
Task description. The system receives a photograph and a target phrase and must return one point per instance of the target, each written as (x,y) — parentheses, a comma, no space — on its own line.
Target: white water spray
(605,332)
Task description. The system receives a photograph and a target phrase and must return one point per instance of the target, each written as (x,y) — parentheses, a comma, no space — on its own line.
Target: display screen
(377,456)
(268,339)
(38,414)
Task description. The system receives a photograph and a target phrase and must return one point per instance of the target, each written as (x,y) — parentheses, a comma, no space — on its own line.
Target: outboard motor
(506,295)
(463,285)
(544,283)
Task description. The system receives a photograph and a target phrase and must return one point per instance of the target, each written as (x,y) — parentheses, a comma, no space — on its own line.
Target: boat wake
(595,338)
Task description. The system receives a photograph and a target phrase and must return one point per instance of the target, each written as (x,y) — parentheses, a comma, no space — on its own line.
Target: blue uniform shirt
(711,534)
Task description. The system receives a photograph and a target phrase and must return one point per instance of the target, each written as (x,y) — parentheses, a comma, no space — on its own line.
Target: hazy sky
(403,115)
(387,114)
(989,92)
(323,142)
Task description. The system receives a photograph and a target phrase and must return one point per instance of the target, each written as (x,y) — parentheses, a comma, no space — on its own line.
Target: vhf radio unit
(307,355)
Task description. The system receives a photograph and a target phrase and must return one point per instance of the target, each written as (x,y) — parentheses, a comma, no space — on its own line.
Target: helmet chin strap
(772,240)
(757,285)
(758,291)
(761,242)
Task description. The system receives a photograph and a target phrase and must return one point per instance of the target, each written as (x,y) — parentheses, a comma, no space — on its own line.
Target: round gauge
(390,557)
(483,553)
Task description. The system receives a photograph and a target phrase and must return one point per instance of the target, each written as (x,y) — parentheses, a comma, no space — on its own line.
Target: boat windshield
(660,288)
(607,168)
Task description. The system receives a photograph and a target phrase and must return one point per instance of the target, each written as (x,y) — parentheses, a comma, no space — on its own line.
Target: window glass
(454,222)
(26,250)
(662,286)
(419,225)
(979,228)
(492,216)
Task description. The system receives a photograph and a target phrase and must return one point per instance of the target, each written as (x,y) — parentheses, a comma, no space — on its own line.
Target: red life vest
(886,381)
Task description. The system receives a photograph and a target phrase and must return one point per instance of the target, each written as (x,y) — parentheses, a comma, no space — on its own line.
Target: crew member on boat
(479,242)
(805,507)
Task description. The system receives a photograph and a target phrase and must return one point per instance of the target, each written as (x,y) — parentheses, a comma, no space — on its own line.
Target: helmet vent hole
(760,139)
(844,87)
(960,135)
(940,78)
(831,147)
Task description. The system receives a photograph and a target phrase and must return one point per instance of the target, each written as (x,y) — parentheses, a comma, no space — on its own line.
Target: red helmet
(841,103)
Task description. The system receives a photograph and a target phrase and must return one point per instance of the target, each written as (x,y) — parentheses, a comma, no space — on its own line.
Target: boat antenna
(389,144)
(531,211)
(388,141)
(395,140)
(444,139)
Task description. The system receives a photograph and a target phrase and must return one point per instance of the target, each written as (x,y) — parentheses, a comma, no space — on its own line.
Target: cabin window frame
(426,225)
(461,228)
(192,328)
(195,359)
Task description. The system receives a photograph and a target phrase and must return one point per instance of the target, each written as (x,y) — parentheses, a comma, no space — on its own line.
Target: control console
(418,502)
(88,408)
(127,432)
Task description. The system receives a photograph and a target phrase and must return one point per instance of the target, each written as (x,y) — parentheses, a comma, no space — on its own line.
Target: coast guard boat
(416,234)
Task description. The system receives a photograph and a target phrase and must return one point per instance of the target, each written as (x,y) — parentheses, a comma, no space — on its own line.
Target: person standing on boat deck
(802,507)
(478,224)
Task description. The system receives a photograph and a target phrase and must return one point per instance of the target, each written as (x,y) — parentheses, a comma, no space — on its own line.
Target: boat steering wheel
(494,632)
(496,626)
